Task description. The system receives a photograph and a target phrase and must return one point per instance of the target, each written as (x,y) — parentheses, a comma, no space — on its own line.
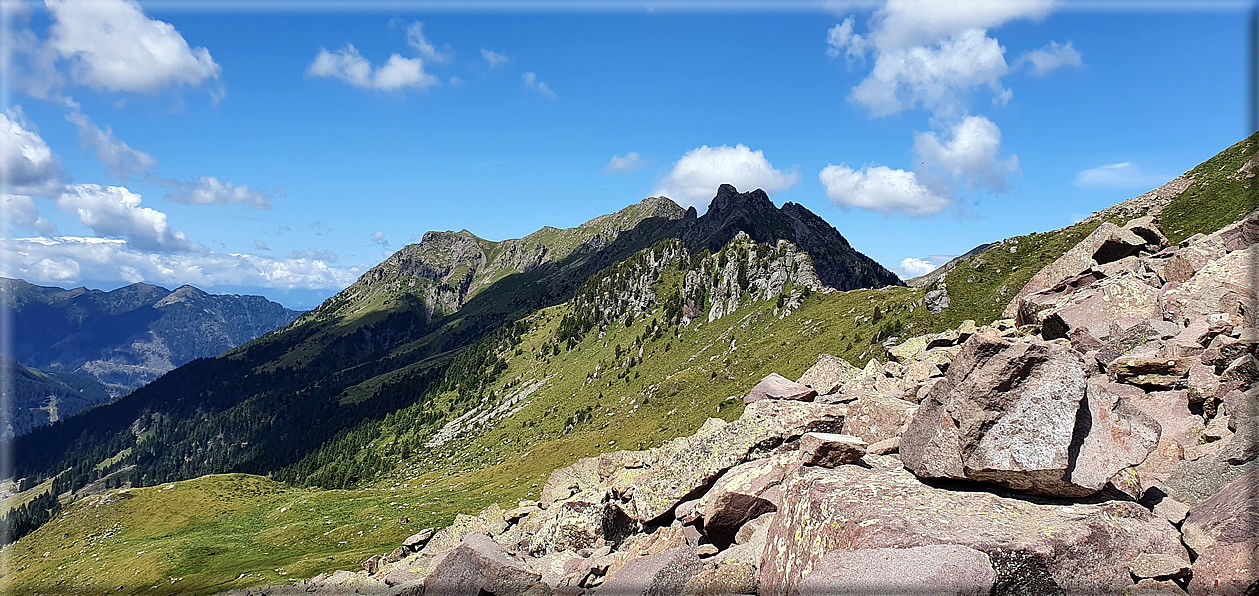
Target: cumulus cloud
(880,188)
(911,267)
(74,260)
(314,255)
(494,59)
(1120,176)
(27,164)
(20,212)
(1050,58)
(969,158)
(116,155)
(114,211)
(533,84)
(930,54)
(421,44)
(623,164)
(112,45)
(695,177)
(349,66)
(208,190)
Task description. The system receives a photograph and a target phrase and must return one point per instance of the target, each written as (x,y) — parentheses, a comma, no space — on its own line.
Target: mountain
(41,398)
(127,337)
(401,333)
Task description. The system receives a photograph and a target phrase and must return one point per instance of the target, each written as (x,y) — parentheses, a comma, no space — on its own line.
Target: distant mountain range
(79,347)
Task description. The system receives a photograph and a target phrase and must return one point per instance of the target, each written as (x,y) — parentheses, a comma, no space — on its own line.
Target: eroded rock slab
(944,569)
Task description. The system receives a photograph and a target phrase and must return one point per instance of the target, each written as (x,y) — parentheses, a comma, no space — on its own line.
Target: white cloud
(881,188)
(694,179)
(351,67)
(969,158)
(494,59)
(913,267)
(19,211)
(74,260)
(624,164)
(112,45)
(27,164)
(421,44)
(114,211)
(930,53)
(314,255)
(1121,176)
(208,190)
(533,84)
(116,155)
(1050,58)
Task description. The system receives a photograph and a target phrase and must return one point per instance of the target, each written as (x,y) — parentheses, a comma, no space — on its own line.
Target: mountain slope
(127,337)
(41,397)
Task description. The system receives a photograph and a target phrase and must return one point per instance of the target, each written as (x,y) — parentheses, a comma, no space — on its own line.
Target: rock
(1150,372)
(1184,263)
(585,521)
(417,540)
(1244,370)
(665,574)
(874,418)
(698,460)
(918,372)
(479,565)
(1225,285)
(749,530)
(723,580)
(1118,436)
(1100,303)
(1079,549)
(1153,587)
(743,494)
(1224,532)
(1108,241)
(829,374)
(776,386)
(1171,410)
(885,446)
(1148,229)
(372,564)
(1158,566)
(1006,413)
(1193,482)
(829,450)
(690,511)
(907,349)
(946,568)
(937,300)
(1171,510)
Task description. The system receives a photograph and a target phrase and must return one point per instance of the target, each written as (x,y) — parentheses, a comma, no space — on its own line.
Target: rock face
(1032,460)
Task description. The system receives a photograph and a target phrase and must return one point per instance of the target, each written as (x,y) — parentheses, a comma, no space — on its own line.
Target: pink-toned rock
(1171,410)
(1119,436)
(776,386)
(1081,549)
(1224,532)
(479,565)
(1225,285)
(873,417)
(948,569)
(1107,243)
(1150,371)
(664,574)
(743,494)
(829,374)
(1098,304)
(829,449)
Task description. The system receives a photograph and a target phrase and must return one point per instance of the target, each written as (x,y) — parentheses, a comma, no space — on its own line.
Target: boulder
(1225,285)
(1079,549)
(1224,532)
(874,418)
(1006,413)
(1158,566)
(1171,410)
(1150,371)
(776,386)
(1098,304)
(829,449)
(884,447)
(1107,243)
(1118,436)
(479,565)
(664,574)
(946,568)
(1184,263)
(1148,229)
(698,460)
(906,350)
(723,580)
(829,374)
(417,540)
(742,494)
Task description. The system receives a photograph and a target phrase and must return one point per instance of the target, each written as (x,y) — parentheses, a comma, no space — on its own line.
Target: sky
(285,148)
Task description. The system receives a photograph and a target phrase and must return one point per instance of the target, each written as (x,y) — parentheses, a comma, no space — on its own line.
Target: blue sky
(285,151)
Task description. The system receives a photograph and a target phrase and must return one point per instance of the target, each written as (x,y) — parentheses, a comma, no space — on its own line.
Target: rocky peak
(729,199)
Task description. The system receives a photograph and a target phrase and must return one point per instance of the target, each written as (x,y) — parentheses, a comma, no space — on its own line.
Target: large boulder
(829,374)
(699,459)
(1079,549)
(829,449)
(663,574)
(1014,413)
(873,417)
(478,566)
(1107,243)
(776,386)
(944,569)
(742,494)
(1225,285)
(1098,305)
(1224,532)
